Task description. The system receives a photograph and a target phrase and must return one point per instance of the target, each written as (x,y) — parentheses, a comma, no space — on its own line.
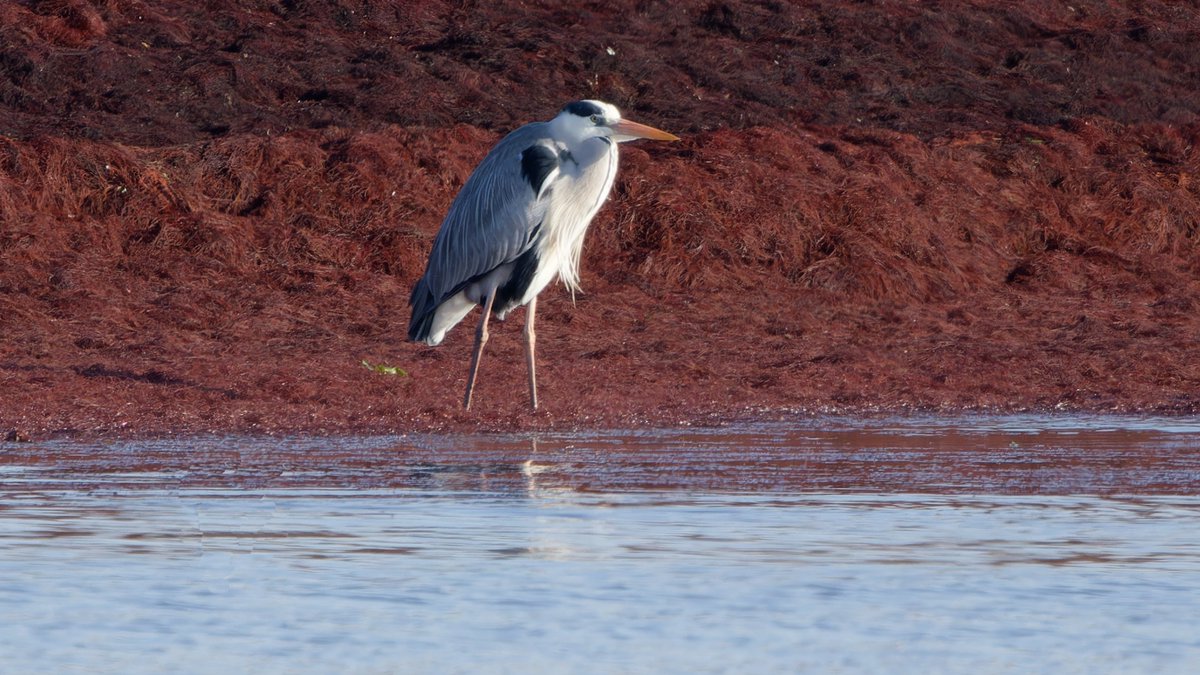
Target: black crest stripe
(583,108)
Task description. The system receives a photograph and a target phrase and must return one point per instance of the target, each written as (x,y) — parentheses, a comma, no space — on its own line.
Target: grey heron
(518,222)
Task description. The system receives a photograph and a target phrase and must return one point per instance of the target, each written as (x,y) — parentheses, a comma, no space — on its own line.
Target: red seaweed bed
(212,213)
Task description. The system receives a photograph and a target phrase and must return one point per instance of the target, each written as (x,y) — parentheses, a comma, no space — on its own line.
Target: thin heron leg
(529,360)
(481,337)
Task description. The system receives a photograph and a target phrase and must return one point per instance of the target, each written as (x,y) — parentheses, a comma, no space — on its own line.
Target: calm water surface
(982,545)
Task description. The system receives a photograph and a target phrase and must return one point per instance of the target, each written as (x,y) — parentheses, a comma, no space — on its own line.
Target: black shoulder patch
(583,108)
(537,161)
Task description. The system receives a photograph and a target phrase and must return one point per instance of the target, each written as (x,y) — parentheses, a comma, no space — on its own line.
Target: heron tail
(424,306)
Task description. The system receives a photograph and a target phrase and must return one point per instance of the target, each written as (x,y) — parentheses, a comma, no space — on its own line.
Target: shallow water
(1016,544)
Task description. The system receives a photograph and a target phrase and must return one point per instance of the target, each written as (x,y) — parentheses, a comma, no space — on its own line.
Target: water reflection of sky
(763,549)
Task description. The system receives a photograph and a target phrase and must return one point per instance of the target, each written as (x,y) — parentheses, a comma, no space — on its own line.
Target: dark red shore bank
(211,214)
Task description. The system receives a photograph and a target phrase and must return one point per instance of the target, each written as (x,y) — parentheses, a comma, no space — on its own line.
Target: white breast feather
(574,200)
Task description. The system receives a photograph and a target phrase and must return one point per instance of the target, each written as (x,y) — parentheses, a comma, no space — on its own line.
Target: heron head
(588,119)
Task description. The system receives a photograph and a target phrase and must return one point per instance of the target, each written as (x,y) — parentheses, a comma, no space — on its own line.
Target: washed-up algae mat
(211,214)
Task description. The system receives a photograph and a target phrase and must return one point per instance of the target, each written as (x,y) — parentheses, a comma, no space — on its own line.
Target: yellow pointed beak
(633,130)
